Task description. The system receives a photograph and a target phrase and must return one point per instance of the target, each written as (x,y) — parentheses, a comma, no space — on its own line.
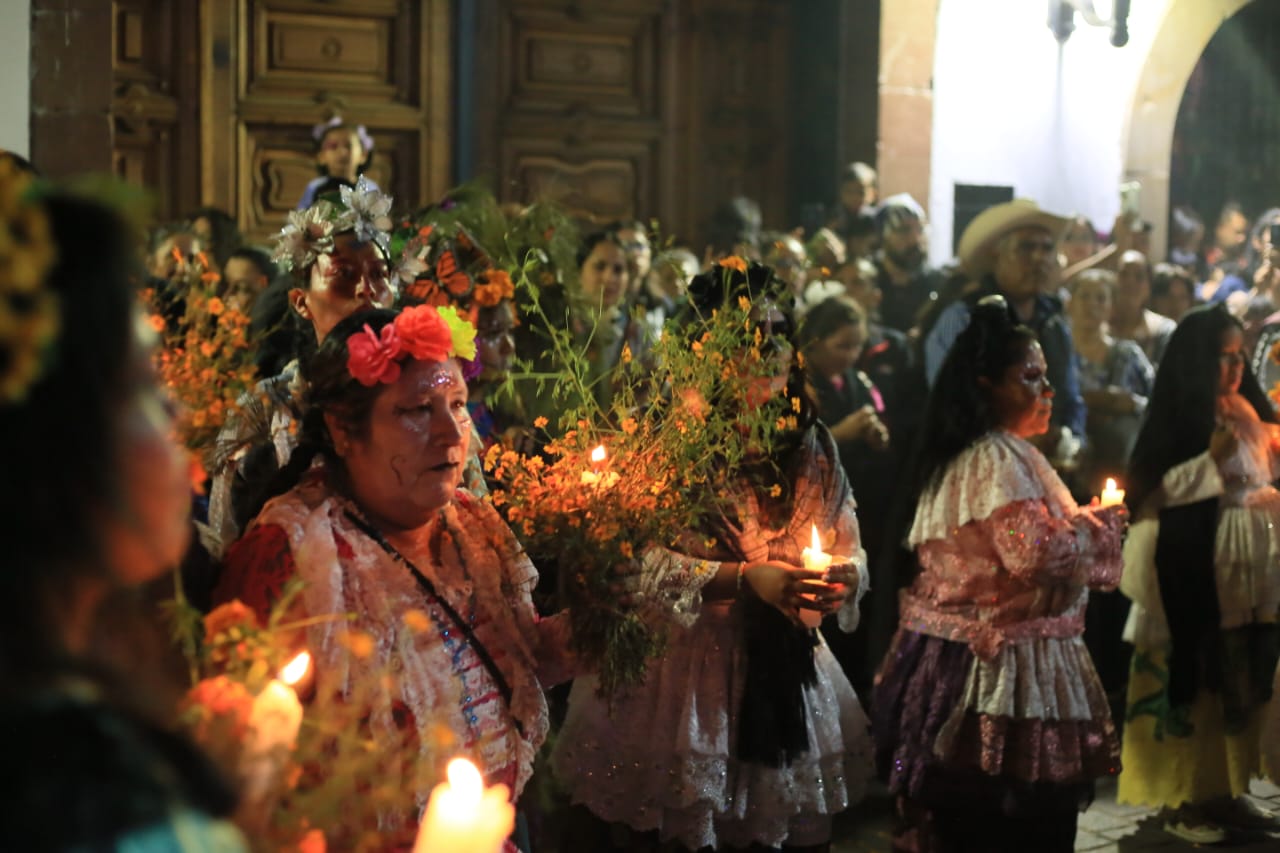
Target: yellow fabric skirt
(1160,767)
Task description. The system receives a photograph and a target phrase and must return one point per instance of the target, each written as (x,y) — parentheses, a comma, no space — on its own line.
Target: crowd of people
(952,429)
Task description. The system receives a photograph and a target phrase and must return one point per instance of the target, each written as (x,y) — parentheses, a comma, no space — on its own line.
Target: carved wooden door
(214,101)
(622,108)
(155,98)
(273,69)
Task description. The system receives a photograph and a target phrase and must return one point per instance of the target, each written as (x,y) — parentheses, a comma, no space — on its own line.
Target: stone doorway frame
(1184,33)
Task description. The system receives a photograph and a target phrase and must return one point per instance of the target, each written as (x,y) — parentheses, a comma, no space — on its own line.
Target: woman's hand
(842,584)
(784,586)
(862,425)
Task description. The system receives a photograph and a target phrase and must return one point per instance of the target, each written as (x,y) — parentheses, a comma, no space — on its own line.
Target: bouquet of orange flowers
(633,483)
(205,358)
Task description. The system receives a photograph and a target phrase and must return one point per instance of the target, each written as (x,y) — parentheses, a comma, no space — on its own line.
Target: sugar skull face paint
(409,463)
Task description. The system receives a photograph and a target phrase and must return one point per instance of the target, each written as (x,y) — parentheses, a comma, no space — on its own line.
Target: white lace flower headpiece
(364,209)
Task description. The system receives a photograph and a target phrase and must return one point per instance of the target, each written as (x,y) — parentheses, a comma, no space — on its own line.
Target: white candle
(463,816)
(596,476)
(274,721)
(815,559)
(1111,496)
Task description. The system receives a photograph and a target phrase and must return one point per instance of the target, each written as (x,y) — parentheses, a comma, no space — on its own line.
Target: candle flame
(817,540)
(465,780)
(295,669)
(598,455)
(1111,484)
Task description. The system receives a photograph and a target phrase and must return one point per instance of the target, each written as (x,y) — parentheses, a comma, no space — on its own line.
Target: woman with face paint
(746,731)
(380,528)
(337,253)
(1201,568)
(989,719)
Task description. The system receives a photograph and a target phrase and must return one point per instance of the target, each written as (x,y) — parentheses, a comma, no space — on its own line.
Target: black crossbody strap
(429,588)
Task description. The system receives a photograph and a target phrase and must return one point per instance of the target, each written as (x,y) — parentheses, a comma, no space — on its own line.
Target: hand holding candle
(463,816)
(1111,496)
(274,721)
(815,559)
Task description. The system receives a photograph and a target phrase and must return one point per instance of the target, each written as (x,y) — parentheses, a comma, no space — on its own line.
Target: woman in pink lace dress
(989,719)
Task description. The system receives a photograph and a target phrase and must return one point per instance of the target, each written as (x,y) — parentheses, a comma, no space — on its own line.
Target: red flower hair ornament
(422,332)
(373,357)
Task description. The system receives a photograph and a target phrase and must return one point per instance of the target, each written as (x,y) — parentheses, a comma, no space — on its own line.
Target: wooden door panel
(612,180)
(559,59)
(385,64)
(294,53)
(660,108)
(155,124)
(281,164)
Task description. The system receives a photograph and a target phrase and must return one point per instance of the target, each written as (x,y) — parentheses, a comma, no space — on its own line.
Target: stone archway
(1185,31)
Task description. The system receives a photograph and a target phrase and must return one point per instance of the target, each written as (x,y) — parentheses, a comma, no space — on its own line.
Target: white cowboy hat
(990,225)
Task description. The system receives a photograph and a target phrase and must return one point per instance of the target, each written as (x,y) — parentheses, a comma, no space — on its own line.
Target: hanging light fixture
(1113,14)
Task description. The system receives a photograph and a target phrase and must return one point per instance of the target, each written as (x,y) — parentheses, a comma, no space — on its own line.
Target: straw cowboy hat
(986,229)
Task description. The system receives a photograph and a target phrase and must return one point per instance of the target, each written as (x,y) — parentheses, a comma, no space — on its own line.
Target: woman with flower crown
(94,502)
(379,528)
(338,254)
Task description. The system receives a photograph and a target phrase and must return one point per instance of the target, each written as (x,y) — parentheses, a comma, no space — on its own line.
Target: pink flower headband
(423,333)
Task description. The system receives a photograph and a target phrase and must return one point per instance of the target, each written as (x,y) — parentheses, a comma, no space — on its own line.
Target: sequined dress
(474,562)
(988,686)
(1216,751)
(663,758)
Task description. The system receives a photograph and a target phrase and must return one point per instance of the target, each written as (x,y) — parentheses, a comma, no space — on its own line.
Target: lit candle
(596,476)
(274,721)
(463,816)
(1111,496)
(815,559)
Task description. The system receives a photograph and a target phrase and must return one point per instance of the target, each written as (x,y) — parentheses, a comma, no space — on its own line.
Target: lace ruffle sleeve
(1195,480)
(670,584)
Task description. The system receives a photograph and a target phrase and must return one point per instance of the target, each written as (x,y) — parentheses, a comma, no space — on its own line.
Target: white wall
(1012,108)
(15,76)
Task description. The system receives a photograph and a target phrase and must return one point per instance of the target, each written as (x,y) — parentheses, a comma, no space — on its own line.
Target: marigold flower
(539,422)
(233,614)
(734,262)
(157,323)
(215,306)
(629,426)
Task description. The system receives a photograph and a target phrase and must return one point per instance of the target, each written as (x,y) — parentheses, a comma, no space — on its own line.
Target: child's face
(341,153)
